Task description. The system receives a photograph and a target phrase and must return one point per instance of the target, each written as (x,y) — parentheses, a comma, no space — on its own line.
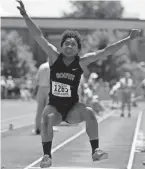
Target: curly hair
(71,34)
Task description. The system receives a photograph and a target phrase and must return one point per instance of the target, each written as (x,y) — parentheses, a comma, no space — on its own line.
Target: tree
(95,9)
(16,57)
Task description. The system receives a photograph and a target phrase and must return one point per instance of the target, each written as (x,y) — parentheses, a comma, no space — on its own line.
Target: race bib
(61,89)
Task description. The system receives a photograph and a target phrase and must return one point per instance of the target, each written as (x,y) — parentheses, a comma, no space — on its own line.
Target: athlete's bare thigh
(52,111)
(75,115)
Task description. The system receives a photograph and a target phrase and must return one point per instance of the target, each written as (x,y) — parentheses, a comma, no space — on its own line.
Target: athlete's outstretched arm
(36,32)
(109,50)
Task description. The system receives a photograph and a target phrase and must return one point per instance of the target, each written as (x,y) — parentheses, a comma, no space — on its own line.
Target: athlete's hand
(21,7)
(135,33)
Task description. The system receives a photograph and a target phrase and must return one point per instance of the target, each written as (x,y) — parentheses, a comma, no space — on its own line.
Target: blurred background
(99,23)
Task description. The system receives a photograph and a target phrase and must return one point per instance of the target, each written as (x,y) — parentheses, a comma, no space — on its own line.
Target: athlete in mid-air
(66,68)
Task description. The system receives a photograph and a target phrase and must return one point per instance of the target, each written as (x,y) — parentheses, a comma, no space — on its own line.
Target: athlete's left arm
(109,50)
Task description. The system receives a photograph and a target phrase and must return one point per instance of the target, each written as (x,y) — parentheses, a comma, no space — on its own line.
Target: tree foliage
(16,57)
(95,9)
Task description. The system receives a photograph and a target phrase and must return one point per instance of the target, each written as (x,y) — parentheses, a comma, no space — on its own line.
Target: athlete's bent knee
(47,115)
(90,114)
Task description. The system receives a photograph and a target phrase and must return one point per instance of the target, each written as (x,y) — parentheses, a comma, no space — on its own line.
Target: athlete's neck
(68,58)
(67,61)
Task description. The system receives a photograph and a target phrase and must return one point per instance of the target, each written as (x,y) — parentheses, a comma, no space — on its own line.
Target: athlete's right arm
(37,33)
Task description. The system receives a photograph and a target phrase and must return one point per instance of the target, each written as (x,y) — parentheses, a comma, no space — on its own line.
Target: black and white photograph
(72,84)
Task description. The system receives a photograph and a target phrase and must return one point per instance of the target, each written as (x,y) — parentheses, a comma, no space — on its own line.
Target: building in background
(53,27)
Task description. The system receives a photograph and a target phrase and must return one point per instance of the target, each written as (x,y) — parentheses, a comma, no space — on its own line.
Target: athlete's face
(70,47)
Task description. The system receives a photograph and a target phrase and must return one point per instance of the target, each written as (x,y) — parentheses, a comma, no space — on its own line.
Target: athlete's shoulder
(57,60)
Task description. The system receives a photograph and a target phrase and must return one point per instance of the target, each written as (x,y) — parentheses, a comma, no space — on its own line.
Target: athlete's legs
(42,100)
(123,102)
(122,108)
(80,113)
(50,118)
(129,104)
(116,98)
(40,107)
(129,108)
(113,100)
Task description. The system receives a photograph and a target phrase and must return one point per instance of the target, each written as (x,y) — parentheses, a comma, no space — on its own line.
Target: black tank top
(64,80)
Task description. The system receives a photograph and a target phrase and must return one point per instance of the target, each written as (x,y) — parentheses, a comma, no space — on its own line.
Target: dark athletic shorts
(63,107)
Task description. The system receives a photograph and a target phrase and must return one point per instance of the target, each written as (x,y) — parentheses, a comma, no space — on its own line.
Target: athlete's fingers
(18,1)
(18,7)
(21,3)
